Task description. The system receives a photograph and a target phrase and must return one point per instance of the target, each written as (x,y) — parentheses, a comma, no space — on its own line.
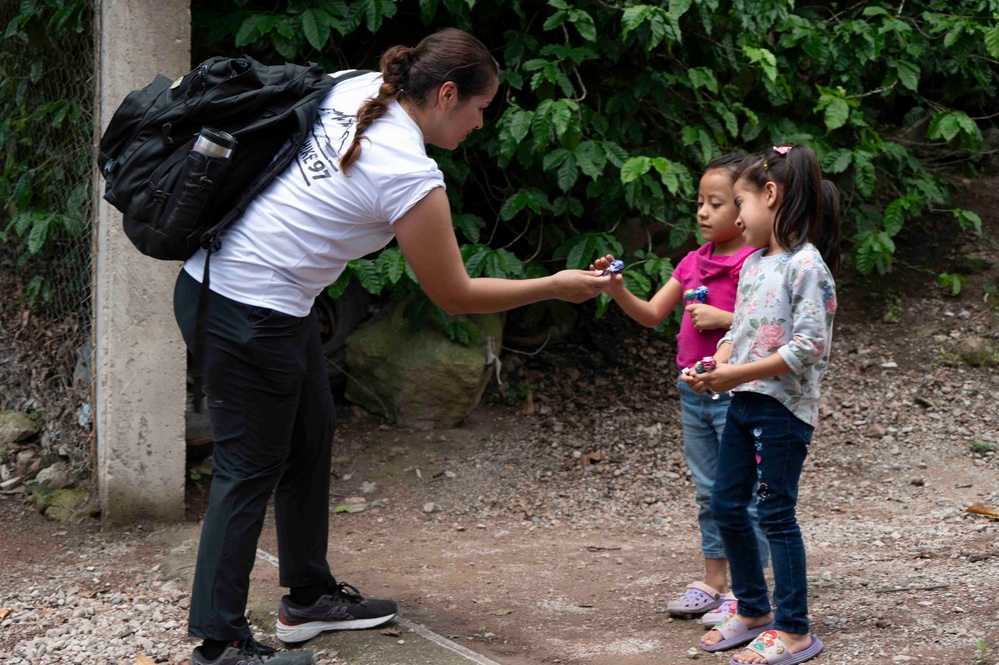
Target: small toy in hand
(615,268)
(704,364)
(700,294)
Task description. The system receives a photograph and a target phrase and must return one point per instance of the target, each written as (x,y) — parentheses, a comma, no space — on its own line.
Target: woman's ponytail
(395,65)
(412,74)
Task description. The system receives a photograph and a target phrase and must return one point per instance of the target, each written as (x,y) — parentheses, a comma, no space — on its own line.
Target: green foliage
(199,473)
(983,653)
(515,392)
(982,447)
(609,110)
(951,283)
(892,308)
(391,272)
(45,174)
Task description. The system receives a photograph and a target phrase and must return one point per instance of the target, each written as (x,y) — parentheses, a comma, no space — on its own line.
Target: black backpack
(175,201)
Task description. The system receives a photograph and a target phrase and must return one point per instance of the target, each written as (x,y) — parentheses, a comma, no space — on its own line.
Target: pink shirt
(721,275)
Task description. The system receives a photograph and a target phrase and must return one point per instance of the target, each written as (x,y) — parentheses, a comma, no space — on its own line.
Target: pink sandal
(698,599)
(720,613)
(770,646)
(735,633)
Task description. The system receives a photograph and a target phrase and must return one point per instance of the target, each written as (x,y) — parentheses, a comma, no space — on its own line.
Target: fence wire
(46,219)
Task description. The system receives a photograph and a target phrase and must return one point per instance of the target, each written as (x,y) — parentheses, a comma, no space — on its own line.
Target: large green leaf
(249,30)
(836,114)
(634,168)
(367,274)
(315,28)
(591,158)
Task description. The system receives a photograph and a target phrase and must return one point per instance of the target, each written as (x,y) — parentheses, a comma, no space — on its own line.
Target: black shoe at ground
(250,652)
(344,608)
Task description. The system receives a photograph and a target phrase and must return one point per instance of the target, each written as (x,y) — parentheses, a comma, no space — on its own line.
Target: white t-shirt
(297,236)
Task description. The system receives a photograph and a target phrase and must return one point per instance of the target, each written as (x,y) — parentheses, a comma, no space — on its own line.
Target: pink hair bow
(782,149)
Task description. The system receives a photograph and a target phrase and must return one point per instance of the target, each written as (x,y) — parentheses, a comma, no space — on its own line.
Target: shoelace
(251,647)
(346,591)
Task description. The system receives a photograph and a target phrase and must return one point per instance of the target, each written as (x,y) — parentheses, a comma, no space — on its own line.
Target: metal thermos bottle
(215,143)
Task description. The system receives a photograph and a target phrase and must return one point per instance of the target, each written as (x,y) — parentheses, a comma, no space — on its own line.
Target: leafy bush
(608,111)
(45,132)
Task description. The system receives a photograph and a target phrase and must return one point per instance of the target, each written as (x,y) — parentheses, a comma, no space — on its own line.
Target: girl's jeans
(763,443)
(703,420)
(272,418)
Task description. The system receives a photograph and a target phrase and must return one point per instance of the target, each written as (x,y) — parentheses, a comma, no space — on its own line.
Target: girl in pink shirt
(714,265)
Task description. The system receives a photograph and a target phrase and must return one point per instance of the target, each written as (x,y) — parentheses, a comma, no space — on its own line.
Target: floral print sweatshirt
(785,304)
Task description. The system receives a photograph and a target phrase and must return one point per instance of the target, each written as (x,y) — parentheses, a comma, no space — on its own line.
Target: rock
(54,477)
(877,431)
(419,378)
(975,351)
(65,504)
(429,507)
(16,426)
(10,483)
(23,460)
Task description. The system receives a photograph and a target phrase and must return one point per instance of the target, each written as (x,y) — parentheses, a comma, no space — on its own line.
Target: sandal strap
(731,626)
(769,645)
(701,586)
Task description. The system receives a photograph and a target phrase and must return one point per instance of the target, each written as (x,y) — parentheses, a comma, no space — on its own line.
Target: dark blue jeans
(272,421)
(763,443)
(703,420)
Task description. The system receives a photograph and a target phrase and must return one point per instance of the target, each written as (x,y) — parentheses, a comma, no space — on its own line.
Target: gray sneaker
(250,652)
(343,608)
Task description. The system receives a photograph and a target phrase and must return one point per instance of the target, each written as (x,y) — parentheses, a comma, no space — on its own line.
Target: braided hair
(413,74)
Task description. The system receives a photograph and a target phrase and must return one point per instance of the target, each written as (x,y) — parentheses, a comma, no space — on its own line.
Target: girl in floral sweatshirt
(773,358)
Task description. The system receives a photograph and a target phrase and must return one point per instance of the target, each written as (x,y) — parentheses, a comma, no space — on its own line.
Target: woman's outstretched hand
(602,265)
(578,286)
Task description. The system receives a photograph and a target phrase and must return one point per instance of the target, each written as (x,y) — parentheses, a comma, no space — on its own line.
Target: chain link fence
(47,73)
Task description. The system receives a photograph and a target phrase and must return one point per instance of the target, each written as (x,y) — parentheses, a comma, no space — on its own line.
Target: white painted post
(140,354)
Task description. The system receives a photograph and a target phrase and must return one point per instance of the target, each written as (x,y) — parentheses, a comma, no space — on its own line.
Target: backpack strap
(200,327)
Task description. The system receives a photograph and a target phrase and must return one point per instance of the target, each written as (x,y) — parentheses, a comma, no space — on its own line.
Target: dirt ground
(558,521)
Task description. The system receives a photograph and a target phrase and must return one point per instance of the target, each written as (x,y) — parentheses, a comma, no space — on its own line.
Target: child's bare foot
(794,642)
(713,637)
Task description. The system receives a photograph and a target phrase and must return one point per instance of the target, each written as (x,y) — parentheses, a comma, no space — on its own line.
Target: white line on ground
(268,557)
(444,642)
(422,631)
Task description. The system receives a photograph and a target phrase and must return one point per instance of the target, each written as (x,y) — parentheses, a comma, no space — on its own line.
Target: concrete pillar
(140,354)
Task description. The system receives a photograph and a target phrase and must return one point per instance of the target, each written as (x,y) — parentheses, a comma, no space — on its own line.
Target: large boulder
(418,377)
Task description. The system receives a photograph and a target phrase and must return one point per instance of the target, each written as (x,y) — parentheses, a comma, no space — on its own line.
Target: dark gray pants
(272,422)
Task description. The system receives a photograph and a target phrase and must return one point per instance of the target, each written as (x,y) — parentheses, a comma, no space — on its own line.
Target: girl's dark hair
(414,73)
(730,162)
(809,207)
